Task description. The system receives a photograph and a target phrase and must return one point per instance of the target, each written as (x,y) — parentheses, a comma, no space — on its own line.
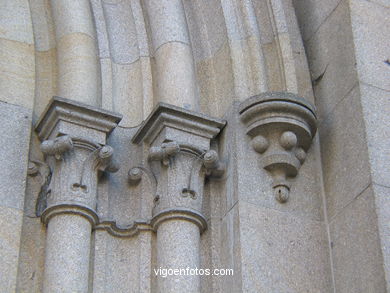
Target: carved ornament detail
(180,157)
(73,139)
(281,127)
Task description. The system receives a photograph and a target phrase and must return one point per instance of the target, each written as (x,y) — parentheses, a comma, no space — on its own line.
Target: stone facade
(143,135)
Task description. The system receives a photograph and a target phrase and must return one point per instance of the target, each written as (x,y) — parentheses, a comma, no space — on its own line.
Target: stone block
(206,24)
(331,59)
(45,79)
(357,256)
(121,266)
(384,3)
(10,229)
(371,30)
(167,22)
(17,73)
(15,21)
(77,61)
(215,79)
(32,254)
(382,202)
(282,253)
(376,109)
(101,30)
(230,251)
(73,16)
(311,14)
(346,169)
(122,33)
(175,77)
(126,94)
(42,22)
(15,124)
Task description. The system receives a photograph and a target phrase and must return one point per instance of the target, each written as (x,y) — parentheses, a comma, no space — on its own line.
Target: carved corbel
(281,127)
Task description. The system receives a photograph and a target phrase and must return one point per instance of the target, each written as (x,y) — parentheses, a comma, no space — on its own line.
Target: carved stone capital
(180,156)
(74,144)
(281,127)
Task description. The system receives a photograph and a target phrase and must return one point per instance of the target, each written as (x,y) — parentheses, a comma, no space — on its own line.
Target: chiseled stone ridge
(74,143)
(180,157)
(281,126)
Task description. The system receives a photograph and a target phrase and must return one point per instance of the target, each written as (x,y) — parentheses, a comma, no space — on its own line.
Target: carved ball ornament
(281,127)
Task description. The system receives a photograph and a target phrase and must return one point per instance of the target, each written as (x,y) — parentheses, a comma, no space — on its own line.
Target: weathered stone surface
(15,135)
(46,80)
(382,207)
(126,94)
(122,33)
(206,25)
(178,87)
(357,258)
(376,109)
(331,59)
(281,252)
(33,236)
(344,154)
(67,254)
(101,31)
(204,56)
(167,22)
(215,80)
(43,25)
(17,73)
(178,252)
(372,46)
(15,21)
(77,60)
(72,17)
(118,261)
(312,14)
(230,251)
(10,233)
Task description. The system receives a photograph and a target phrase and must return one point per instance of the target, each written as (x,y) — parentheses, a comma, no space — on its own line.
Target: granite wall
(206,57)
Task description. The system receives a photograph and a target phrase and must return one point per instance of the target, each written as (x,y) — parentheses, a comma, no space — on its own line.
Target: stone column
(77,52)
(180,154)
(74,142)
(174,65)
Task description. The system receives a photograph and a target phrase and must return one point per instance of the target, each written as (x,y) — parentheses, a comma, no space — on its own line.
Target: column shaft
(67,254)
(178,248)
(175,69)
(77,52)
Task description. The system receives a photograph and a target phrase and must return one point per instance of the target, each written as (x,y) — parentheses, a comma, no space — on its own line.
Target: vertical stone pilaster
(74,142)
(179,143)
